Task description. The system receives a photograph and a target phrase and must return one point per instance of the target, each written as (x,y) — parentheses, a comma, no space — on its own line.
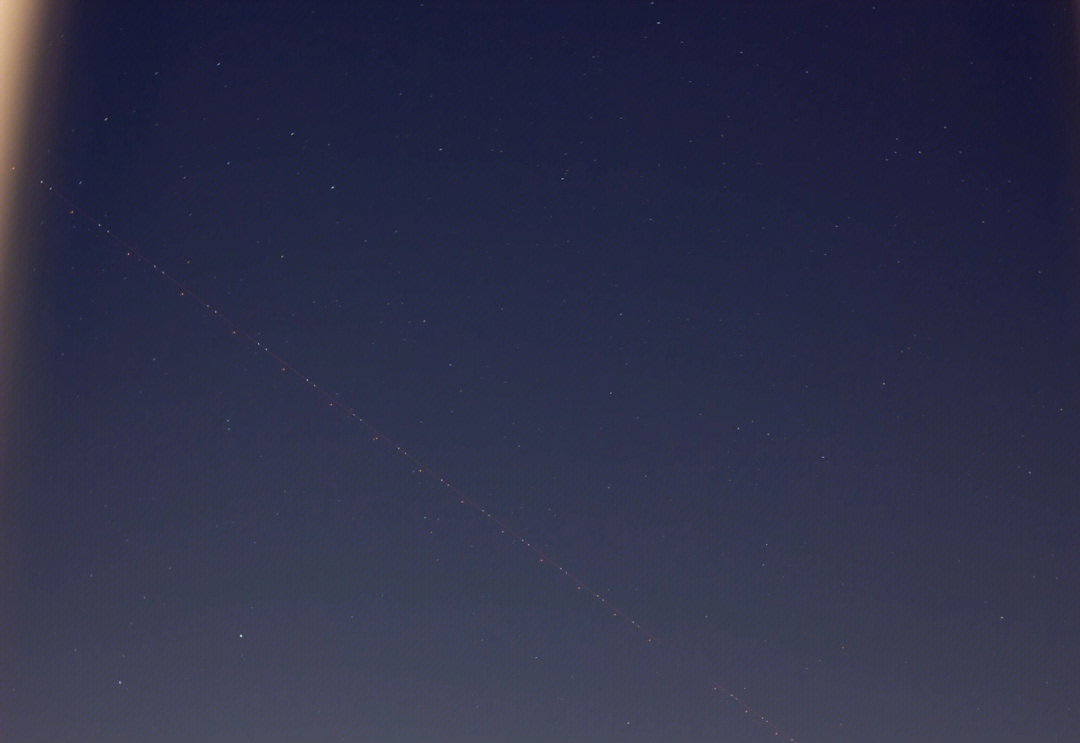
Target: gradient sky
(762,319)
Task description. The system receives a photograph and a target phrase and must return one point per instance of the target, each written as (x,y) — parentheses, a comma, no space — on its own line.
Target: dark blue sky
(762,319)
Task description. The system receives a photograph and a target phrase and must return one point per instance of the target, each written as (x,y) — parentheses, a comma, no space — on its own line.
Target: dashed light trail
(377,434)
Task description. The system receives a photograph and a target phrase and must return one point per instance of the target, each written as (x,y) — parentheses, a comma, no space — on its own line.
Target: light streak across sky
(130,251)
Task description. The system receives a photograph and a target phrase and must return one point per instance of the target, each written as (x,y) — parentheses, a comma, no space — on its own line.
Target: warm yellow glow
(19,24)
(18,32)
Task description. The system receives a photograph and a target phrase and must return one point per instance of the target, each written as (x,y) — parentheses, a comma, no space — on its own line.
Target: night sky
(760,319)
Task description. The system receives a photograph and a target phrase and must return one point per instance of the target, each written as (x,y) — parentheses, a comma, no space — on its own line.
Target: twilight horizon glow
(522,372)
